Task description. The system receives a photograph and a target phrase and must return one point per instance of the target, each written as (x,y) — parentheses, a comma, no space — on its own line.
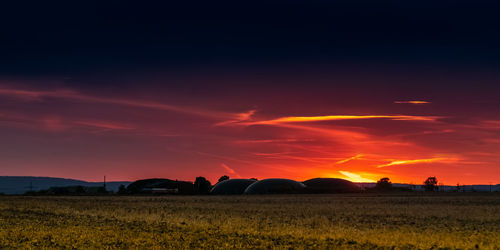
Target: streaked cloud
(238,117)
(289,140)
(71,95)
(226,158)
(56,123)
(105,125)
(412,102)
(490,124)
(348,135)
(53,123)
(300,119)
(349,159)
(230,170)
(407,162)
(293,157)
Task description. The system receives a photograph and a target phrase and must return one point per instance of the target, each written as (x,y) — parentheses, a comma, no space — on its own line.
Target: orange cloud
(349,159)
(292,119)
(402,162)
(412,102)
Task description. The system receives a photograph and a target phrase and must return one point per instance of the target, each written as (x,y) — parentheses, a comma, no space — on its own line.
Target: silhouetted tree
(431,183)
(202,185)
(223,178)
(384,184)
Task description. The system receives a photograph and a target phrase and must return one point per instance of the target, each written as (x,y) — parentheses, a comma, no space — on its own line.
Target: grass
(302,221)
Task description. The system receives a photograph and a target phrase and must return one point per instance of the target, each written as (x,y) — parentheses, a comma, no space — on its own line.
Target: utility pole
(104,183)
(30,187)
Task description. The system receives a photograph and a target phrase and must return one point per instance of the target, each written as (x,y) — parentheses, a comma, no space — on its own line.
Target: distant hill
(21,184)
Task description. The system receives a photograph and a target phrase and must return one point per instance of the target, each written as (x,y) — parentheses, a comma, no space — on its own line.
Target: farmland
(300,221)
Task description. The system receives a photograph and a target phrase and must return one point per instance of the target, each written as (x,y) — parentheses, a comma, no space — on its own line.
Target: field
(297,221)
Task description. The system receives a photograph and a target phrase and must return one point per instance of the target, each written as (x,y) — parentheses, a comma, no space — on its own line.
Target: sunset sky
(348,89)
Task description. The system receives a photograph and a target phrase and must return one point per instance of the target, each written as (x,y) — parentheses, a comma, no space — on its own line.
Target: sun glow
(355,177)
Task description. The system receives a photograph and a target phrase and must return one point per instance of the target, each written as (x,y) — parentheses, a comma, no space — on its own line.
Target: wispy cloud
(230,170)
(226,158)
(289,140)
(237,118)
(294,119)
(407,162)
(490,124)
(80,97)
(292,157)
(330,132)
(56,123)
(349,159)
(53,123)
(355,177)
(105,125)
(412,102)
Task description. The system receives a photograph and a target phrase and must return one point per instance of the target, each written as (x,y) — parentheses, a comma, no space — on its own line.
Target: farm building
(231,186)
(330,185)
(275,186)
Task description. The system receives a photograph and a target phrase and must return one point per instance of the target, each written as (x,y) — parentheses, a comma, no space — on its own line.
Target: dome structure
(231,186)
(275,186)
(330,185)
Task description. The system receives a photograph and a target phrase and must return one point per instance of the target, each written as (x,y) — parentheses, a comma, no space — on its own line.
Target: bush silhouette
(384,184)
(202,185)
(431,184)
(223,178)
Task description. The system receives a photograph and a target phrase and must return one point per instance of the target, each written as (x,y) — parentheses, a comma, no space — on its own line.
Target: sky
(293,89)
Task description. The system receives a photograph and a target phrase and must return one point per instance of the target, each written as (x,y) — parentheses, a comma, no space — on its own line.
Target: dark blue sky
(78,37)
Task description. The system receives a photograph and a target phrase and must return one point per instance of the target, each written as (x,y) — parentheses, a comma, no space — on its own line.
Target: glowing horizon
(127,138)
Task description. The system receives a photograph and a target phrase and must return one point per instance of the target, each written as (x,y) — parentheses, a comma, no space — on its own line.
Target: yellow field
(301,221)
